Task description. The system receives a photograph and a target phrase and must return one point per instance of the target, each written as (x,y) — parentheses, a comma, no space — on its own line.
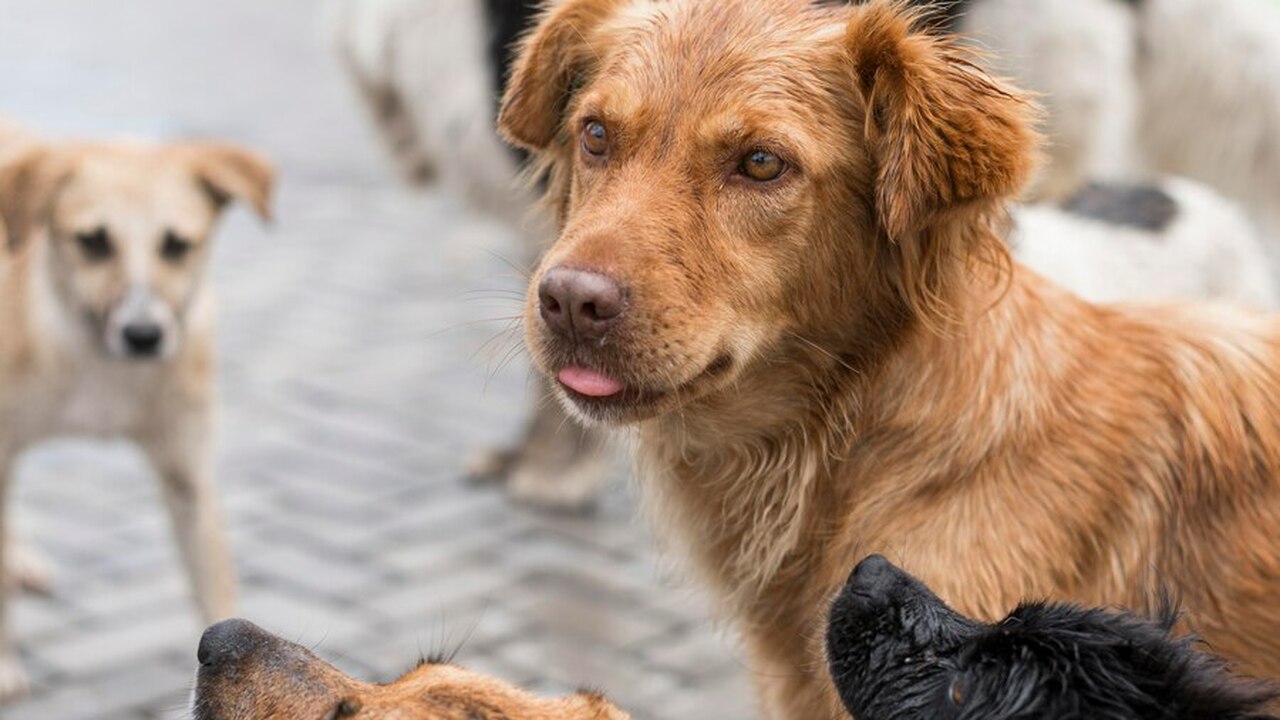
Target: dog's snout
(143,339)
(580,304)
(227,642)
(873,576)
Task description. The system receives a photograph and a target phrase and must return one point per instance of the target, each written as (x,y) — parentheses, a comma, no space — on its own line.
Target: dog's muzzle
(141,327)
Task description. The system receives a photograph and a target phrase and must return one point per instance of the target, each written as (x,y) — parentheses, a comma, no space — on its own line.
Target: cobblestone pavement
(355,375)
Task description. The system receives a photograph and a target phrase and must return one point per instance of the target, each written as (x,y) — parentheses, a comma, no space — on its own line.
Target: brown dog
(107,322)
(779,257)
(248,674)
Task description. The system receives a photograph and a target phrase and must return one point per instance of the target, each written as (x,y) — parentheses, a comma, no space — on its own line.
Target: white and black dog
(431,71)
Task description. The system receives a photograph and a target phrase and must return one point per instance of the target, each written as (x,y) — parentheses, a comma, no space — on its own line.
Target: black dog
(897,652)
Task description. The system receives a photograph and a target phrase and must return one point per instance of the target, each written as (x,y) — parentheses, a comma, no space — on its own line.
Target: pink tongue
(589,382)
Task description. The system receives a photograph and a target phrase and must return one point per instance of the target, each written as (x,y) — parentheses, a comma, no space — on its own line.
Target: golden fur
(267,678)
(843,361)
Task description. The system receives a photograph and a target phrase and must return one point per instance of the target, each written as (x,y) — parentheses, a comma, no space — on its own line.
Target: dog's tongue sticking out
(589,382)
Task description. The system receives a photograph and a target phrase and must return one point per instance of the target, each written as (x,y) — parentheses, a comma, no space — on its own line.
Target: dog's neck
(753,471)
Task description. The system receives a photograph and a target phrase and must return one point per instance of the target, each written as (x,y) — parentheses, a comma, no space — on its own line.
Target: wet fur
(897,652)
(847,362)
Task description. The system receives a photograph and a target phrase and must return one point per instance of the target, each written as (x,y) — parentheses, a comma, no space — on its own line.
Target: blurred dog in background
(430,71)
(897,652)
(247,673)
(108,323)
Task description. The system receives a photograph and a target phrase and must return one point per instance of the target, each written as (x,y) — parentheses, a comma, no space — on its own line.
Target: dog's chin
(637,401)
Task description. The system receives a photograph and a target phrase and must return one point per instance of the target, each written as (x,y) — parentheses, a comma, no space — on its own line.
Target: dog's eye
(956,692)
(762,166)
(595,138)
(95,244)
(346,708)
(174,248)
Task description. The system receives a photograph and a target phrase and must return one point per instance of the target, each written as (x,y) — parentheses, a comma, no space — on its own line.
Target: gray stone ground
(355,375)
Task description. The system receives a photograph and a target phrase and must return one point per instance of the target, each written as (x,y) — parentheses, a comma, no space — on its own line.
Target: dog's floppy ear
(233,173)
(949,144)
(29,185)
(944,133)
(553,60)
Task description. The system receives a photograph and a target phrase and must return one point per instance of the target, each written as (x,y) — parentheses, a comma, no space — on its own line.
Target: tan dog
(108,320)
(779,258)
(248,674)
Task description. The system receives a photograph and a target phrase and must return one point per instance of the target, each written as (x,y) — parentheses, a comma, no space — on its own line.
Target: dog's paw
(28,569)
(574,487)
(492,464)
(13,679)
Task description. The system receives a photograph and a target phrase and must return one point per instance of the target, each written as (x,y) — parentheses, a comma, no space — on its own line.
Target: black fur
(897,652)
(508,20)
(1139,206)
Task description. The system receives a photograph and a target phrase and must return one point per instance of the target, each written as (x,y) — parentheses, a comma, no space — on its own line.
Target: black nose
(143,338)
(580,304)
(873,576)
(227,642)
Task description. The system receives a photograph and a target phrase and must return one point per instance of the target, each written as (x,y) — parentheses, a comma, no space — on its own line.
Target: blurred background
(362,357)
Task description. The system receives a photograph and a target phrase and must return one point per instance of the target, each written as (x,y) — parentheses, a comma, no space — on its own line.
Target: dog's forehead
(702,57)
(134,189)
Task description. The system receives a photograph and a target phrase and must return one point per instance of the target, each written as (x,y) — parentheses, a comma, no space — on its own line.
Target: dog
(1172,239)
(897,652)
(780,264)
(429,72)
(247,673)
(108,320)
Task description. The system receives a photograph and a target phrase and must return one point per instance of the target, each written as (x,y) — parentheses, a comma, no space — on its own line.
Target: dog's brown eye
(595,138)
(762,166)
(95,244)
(174,248)
(956,693)
(346,708)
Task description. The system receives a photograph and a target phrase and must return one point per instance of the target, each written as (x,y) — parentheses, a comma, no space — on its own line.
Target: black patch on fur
(1145,207)
(897,652)
(944,15)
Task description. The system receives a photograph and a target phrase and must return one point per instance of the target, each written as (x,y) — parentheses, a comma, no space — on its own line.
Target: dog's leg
(182,457)
(558,463)
(26,567)
(13,680)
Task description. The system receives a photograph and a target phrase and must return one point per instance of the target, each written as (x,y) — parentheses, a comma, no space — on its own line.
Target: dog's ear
(944,133)
(554,60)
(230,173)
(949,143)
(29,185)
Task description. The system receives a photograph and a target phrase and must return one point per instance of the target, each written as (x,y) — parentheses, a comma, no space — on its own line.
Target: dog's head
(247,673)
(898,652)
(743,180)
(126,230)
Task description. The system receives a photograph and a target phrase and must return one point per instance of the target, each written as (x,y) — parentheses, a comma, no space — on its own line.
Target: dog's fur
(248,674)
(843,360)
(101,236)
(1175,240)
(897,652)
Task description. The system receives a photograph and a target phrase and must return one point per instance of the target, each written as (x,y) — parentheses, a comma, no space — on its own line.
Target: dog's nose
(143,338)
(227,642)
(873,576)
(580,304)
